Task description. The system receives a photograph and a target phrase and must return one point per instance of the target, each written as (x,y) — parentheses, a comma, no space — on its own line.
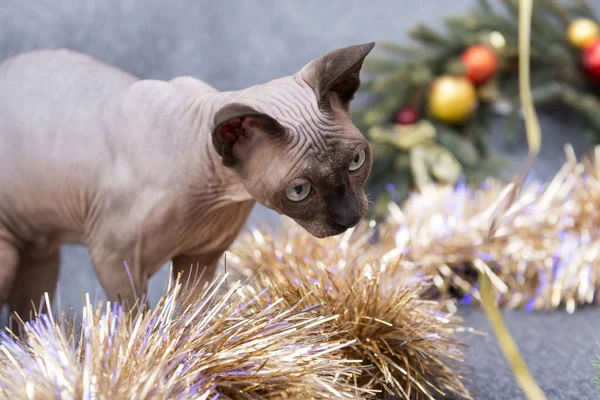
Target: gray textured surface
(559,349)
(235,44)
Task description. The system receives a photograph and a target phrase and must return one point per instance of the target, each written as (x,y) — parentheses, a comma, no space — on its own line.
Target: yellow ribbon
(534,137)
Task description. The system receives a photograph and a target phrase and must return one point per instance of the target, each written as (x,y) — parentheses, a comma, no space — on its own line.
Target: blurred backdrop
(232,45)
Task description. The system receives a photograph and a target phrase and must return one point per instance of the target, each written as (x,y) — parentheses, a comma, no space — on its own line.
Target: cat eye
(358,161)
(298,193)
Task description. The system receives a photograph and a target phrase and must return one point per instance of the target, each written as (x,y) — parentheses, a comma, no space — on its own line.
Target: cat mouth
(333,229)
(338,229)
(324,230)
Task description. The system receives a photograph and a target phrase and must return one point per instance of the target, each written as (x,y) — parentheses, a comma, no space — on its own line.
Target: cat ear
(238,125)
(337,73)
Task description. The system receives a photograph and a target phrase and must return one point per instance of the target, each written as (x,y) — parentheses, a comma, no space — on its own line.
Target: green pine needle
(596,364)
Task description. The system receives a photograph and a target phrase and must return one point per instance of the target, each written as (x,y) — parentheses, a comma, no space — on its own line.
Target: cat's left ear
(337,73)
(237,128)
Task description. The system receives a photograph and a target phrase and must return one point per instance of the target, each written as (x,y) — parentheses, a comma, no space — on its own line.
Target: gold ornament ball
(582,32)
(452,99)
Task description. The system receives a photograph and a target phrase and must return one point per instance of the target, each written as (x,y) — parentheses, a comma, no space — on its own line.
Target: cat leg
(37,274)
(196,271)
(9,261)
(120,275)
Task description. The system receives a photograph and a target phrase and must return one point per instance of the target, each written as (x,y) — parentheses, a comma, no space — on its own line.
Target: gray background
(235,44)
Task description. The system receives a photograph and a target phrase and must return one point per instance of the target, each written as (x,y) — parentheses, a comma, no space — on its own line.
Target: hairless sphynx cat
(146,171)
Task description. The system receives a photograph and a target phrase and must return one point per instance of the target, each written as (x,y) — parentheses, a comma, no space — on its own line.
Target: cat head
(294,147)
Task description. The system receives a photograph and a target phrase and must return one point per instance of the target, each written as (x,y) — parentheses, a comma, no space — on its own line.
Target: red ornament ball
(480,62)
(590,61)
(406,116)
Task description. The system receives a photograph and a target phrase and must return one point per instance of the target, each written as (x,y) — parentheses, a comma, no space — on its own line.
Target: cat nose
(347,218)
(344,209)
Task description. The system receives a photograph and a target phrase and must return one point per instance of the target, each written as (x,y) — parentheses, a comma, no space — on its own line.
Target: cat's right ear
(237,127)
(337,73)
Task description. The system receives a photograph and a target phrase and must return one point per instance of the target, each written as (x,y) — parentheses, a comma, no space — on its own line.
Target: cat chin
(323,231)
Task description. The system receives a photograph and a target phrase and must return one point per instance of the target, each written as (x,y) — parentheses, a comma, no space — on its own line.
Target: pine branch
(561,14)
(378,65)
(428,36)
(542,25)
(402,75)
(485,6)
(586,104)
(462,148)
(398,50)
(582,8)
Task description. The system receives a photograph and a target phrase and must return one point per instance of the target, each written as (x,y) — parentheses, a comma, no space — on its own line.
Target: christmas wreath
(429,107)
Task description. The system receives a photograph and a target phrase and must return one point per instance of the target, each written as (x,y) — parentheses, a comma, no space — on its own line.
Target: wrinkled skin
(147,171)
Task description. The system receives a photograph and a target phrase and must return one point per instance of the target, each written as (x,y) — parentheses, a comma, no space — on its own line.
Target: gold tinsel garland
(543,253)
(245,342)
(341,317)
(190,347)
(408,344)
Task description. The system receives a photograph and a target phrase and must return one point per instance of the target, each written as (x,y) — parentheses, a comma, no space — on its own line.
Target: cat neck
(217,176)
(213,192)
(199,168)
